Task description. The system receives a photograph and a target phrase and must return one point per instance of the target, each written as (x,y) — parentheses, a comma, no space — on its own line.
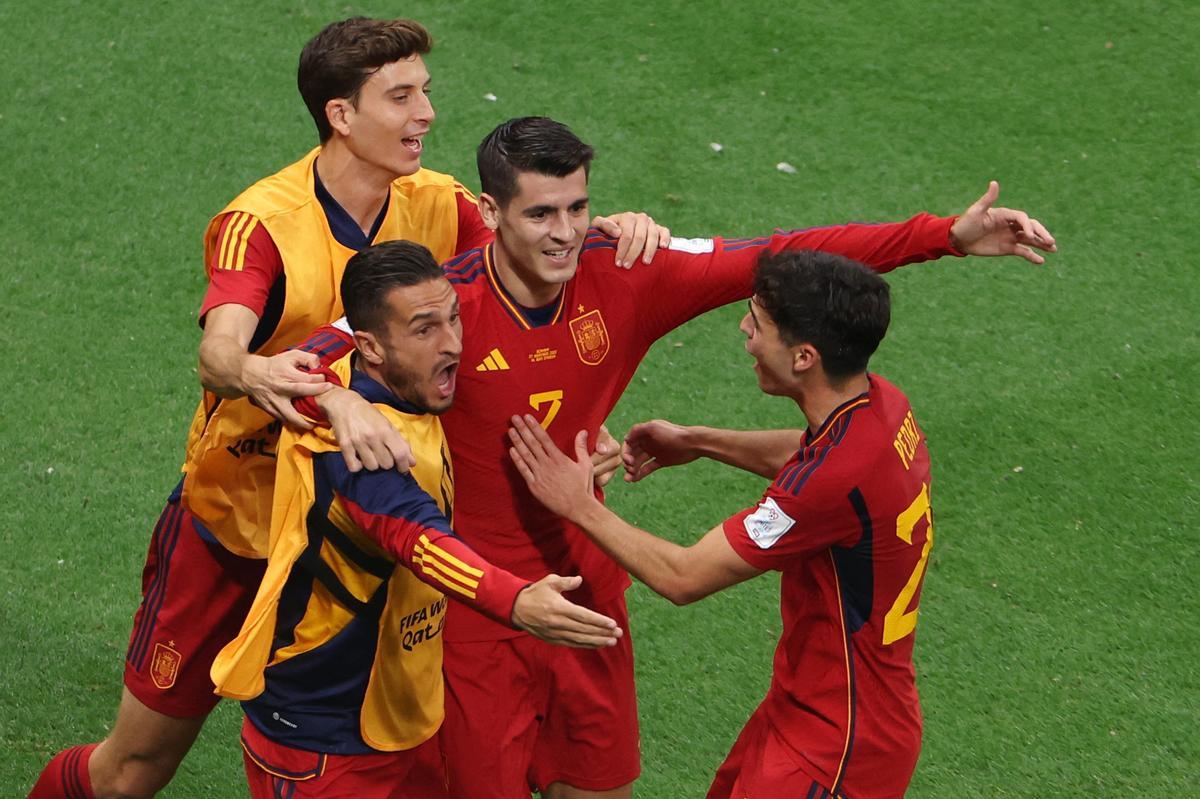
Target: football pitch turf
(1057,649)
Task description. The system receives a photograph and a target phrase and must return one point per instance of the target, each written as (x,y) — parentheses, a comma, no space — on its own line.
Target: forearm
(223,361)
(662,565)
(761,452)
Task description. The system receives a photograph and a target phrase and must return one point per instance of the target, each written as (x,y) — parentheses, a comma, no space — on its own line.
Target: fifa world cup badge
(591,337)
(164,666)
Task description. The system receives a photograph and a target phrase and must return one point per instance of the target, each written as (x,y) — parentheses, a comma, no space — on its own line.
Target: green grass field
(1057,646)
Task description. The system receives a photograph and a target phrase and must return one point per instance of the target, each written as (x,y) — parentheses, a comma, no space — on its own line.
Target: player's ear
(338,112)
(489,209)
(368,347)
(804,358)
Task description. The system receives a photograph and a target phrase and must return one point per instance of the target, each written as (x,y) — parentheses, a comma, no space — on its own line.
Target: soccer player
(553,328)
(339,660)
(274,256)
(846,520)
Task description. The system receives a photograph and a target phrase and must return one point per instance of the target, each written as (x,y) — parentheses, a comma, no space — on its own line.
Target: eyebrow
(406,86)
(750,307)
(546,208)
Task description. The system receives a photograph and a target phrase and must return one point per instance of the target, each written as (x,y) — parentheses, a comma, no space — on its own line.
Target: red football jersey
(570,371)
(848,523)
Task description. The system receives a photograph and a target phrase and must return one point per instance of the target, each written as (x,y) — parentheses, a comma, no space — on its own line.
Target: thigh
(195,595)
(496,694)
(760,766)
(589,739)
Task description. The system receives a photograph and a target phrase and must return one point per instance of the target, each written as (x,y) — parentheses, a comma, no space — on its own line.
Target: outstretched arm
(397,514)
(649,446)
(681,574)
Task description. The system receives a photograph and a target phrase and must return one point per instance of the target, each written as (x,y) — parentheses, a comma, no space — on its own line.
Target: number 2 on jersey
(899,620)
(553,398)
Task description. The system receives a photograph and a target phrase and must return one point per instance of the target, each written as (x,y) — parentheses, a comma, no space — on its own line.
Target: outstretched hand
(649,446)
(561,484)
(543,611)
(636,234)
(984,230)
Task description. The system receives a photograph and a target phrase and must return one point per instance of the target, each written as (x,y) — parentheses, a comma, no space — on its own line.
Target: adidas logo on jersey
(494,362)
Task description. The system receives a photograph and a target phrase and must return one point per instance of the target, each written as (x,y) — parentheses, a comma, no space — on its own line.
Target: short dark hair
(338,60)
(838,305)
(528,144)
(373,272)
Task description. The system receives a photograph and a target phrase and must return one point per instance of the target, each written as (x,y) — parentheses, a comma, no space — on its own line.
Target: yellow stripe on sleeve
(446,556)
(239,258)
(229,239)
(429,561)
(455,587)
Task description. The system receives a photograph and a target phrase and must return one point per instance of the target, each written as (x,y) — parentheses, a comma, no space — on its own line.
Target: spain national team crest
(164,666)
(591,337)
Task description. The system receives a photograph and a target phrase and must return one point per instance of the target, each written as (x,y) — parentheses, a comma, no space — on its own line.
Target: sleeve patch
(767,524)
(693,246)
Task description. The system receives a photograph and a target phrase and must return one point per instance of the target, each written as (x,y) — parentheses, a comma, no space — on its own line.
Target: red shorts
(195,595)
(521,714)
(274,771)
(760,766)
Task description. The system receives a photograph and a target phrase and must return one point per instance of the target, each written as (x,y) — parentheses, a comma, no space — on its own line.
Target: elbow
(680,591)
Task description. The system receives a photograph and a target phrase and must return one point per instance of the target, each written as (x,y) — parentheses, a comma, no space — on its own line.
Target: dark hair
(375,271)
(338,60)
(528,144)
(839,306)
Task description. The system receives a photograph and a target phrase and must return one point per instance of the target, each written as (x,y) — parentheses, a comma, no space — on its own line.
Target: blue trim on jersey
(341,224)
(856,568)
(853,714)
(322,344)
(383,492)
(463,261)
(168,524)
(733,245)
(793,479)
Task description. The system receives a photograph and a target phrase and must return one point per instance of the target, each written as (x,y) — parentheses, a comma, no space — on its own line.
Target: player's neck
(819,397)
(526,288)
(359,187)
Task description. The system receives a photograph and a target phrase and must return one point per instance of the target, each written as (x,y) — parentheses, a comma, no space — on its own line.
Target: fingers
(283,410)
(654,243)
(633,242)
(607,226)
(642,470)
(349,455)
(1041,237)
(987,200)
(581,447)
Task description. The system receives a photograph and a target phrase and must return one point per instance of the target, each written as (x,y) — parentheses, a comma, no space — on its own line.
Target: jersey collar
(842,411)
(526,318)
(345,230)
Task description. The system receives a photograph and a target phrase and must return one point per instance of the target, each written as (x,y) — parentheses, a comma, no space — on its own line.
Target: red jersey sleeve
(696,275)
(396,513)
(472,232)
(245,264)
(329,343)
